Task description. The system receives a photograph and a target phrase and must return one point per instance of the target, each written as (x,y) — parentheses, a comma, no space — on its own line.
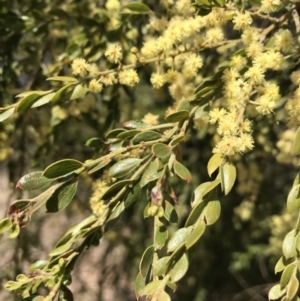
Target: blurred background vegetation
(235,259)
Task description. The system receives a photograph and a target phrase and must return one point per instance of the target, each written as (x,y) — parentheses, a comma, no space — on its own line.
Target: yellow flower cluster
(97,205)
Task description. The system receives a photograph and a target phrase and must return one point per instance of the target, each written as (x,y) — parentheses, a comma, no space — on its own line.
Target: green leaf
(279,267)
(182,172)
(134,195)
(6,114)
(43,100)
(152,287)
(34,180)
(212,186)
(139,285)
(170,213)
(196,234)
(113,189)
(146,136)
(138,8)
(195,214)
(114,133)
(293,200)
(151,173)
(288,245)
(276,292)
(135,124)
(99,166)
(94,143)
(292,288)
(161,266)
(161,150)
(180,268)
(160,237)
(228,176)
(146,261)
(178,116)
(62,168)
(61,197)
(179,238)
(177,139)
(61,91)
(15,230)
(296,147)
(62,79)
(214,163)
(123,167)
(212,212)
(79,91)
(128,134)
(61,249)
(287,274)
(184,105)
(27,102)
(5,225)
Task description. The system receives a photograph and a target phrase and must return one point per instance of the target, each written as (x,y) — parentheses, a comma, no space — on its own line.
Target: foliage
(223,74)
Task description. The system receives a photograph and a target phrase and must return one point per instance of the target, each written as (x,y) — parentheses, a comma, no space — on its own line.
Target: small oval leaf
(179,269)
(161,266)
(113,189)
(34,180)
(6,114)
(61,197)
(146,261)
(151,173)
(178,116)
(146,136)
(179,238)
(182,172)
(288,245)
(138,8)
(123,167)
(160,237)
(161,150)
(62,168)
(196,234)
(287,274)
(293,200)
(5,225)
(212,211)
(292,288)
(78,92)
(276,292)
(214,163)
(228,176)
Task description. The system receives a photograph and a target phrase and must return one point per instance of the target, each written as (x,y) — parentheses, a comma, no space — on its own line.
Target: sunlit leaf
(288,245)
(276,292)
(6,114)
(228,176)
(182,172)
(161,235)
(214,163)
(180,268)
(146,136)
(34,180)
(5,225)
(179,238)
(146,261)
